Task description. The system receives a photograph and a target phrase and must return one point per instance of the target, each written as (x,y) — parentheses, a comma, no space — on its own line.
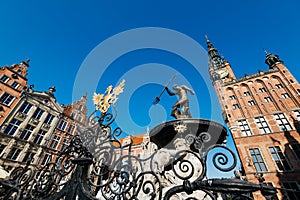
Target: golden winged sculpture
(103,101)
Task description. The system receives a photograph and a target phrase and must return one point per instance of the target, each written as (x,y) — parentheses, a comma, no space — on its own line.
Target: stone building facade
(33,126)
(262,112)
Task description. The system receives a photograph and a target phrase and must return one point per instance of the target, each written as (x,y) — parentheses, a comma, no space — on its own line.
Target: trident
(157,99)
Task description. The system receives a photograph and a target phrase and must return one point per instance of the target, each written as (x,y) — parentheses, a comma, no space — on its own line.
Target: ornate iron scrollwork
(96,165)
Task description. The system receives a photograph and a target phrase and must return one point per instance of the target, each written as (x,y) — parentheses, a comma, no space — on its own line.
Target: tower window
(231,97)
(262,125)
(282,122)
(247,93)
(298,90)
(257,160)
(279,158)
(262,90)
(293,191)
(235,106)
(245,129)
(291,81)
(268,99)
(278,86)
(285,95)
(251,103)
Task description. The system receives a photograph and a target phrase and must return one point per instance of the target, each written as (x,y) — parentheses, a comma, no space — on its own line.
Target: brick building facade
(262,112)
(33,124)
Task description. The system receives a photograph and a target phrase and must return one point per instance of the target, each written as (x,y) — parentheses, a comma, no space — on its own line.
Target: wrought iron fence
(96,165)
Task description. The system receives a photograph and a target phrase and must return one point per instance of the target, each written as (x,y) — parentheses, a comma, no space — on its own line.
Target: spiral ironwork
(96,165)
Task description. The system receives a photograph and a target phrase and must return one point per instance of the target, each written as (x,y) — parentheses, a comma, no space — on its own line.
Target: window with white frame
(62,125)
(12,127)
(262,90)
(4,78)
(247,93)
(13,154)
(279,158)
(71,128)
(47,159)
(73,115)
(262,125)
(37,113)
(2,147)
(282,122)
(285,95)
(297,113)
(15,85)
(6,99)
(245,129)
(257,160)
(293,190)
(278,86)
(64,144)
(231,97)
(25,108)
(80,108)
(28,156)
(27,132)
(49,119)
(79,118)
(268,99)
(235,106)
(55,142)
(251,103)
(39,137)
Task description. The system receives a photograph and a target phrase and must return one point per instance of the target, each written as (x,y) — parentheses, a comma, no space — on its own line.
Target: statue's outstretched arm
(188,89)
(169,91)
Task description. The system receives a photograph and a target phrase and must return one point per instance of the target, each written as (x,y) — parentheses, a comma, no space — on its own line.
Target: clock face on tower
(222,72)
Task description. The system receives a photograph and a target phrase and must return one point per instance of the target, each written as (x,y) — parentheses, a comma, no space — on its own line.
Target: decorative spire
(52,89)
(209,44)
(215,59)
(26,62)
(271,59)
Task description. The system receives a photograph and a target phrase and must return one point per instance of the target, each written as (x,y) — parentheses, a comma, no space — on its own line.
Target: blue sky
(63,37)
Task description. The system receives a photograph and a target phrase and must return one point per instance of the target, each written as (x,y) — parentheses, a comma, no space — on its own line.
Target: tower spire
(214,57)
(209,44)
